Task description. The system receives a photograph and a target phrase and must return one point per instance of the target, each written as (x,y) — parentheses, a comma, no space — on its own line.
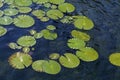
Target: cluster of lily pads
(18,13)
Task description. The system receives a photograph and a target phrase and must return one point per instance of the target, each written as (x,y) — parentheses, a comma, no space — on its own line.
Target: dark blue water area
(105,38)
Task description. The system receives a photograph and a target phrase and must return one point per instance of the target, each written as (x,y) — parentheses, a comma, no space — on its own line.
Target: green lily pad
(56,1)
(114,59)
(54,56)
(24,21)
(69,60)
(12,45)
(76,43)
(23,2)
(44,19)
(1,13)
(10,12)
(38,13)
(54,14)
(5,20)
(1,4)
(3,31)
(66,7)
(38,35)
(50,66)
(80,35)
(26,41)
(87,54)
(26,49)
(20,60)
(24,9)
(51,27)
(40,1)
(84,23)
(32,32)
(9,1)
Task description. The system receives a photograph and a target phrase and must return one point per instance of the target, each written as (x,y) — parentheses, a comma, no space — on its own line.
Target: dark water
(105,39)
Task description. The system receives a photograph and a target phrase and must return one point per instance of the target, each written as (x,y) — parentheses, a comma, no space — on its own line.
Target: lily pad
(1,13)
(1,4)
(24,9)
(13,45)
(84,23)
(26,41)
(24,21)
(3,31)
(20,60)
(80,35)
(10,12)
(87,54)
(56,1)
(26,49)
(23,2)
(114,59)
(6,20)
(76,43)
(38,13)
(66,7)
(40,1)
(51,27)
(54,14)
(38,35)
(54,56)
(69,60)
(9,1)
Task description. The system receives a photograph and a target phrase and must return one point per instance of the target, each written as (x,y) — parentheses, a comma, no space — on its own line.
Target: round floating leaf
(5,20)
(38,35)
(38,13)
(26,41)
(24,9)
(13,45)
(54,56)
(69,60)
(26,49)
(76,43)
(54,14)
(47,5)
(66,7)
(10,12)
(114,59)
(44,19)
(20,60)
(3,31)
(40,1)
(1,4)
(87,54)
(32,32)
(1,13)
(9,1)
(49,35)
(38,65)
(24,21)
(53,7)
(56,1)
(84,23)
(51,27)
(80,35)
(23,2)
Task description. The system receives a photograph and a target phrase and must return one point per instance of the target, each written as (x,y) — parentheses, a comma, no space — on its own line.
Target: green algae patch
(114,59)
(10,12)
(83,23)
(80,35)
(40,1)
(66,7)
(26,41)
(54,56)
(3,31)
(55,14)
(76,43)
(56,1)
(23,2)
(24,21)
(6,20)
(87,54)
(20,60)
(69,60)
(50,66)
(24,9)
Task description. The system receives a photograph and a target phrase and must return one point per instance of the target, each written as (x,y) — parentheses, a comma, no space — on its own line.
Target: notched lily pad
(24,21)
(10,12)
(26,41)
(6,20)
(69,60)
(20,60)
(87,54)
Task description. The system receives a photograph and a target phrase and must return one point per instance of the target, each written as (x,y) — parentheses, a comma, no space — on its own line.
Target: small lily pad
(76,43)
(80,35)
(84,23)
(56,1)
(24,21)
(3,31)
(26,41)
(6,20)
(9,1)
(114,59)
(38,13)
(66,7)
(10,12)
(1,13)
(23,2)
(20,60)
(54,56)
(26,49)
(24,9)
(40,1)
(69,60)
(13,45)
(54,14)
(32,32)
(87,54)
(38,35)
(51,27)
